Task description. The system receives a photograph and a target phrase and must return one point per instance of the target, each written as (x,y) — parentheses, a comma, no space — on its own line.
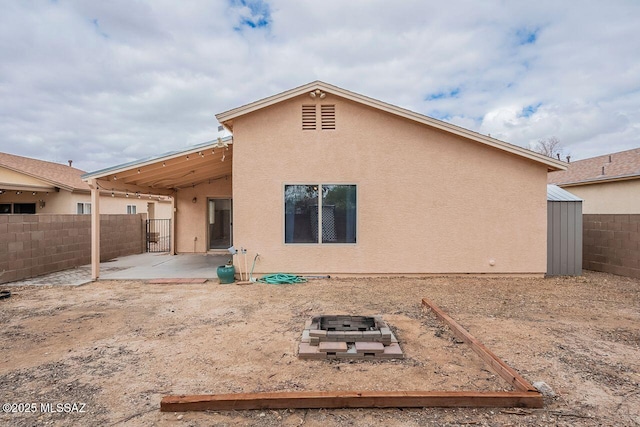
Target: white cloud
(108,82)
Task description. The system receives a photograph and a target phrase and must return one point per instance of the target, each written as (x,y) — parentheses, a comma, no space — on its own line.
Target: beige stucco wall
(428,201)
(9,177)
(118,205)
(191,218)
(65,202)
(162,209)
(619,197)
(55,202)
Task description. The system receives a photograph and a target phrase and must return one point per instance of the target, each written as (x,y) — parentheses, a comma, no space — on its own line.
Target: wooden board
(349,399)
(244,283)
(175,281)
(494,362)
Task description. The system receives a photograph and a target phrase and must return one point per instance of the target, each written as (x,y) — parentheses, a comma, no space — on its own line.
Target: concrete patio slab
(147,266)
(163,266)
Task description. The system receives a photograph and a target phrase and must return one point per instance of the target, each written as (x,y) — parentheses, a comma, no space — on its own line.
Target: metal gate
(158,235)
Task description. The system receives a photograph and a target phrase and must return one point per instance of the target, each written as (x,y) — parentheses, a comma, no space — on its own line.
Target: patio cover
(156,176)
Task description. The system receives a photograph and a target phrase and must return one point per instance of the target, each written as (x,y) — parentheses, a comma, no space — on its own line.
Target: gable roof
(619,166)
(55,174)
(226,119)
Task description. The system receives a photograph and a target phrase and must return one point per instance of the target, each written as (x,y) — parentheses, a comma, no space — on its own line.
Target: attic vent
(328,117)
(308,117)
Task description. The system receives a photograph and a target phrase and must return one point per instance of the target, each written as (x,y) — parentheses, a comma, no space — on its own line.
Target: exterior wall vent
(308,117)
(328,117)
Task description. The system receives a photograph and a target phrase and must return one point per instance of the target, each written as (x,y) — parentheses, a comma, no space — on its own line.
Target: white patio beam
(95,229)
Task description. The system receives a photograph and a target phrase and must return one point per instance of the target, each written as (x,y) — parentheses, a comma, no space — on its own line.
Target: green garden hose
(281,279)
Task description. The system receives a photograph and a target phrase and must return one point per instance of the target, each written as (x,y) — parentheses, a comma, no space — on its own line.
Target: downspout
(95,229)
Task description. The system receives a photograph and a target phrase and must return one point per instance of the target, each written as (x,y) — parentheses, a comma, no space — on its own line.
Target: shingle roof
(56,174)
(610,167)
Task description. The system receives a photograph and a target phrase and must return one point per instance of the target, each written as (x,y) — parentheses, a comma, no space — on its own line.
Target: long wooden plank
(494,362)
(350,399)
(175,281)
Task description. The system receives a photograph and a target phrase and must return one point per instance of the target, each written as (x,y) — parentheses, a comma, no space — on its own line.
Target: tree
(550,147)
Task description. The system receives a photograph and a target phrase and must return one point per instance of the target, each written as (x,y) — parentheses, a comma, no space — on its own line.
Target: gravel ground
(111,350)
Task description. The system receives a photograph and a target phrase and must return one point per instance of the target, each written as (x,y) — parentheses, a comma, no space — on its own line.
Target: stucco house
(31,186)
(321,180)
(608,184)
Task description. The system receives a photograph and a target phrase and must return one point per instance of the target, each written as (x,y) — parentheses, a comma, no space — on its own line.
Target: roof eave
(43,179)
(26,187)
(226,116)
(599,180)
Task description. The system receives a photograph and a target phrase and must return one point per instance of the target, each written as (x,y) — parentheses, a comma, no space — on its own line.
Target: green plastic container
(226,274)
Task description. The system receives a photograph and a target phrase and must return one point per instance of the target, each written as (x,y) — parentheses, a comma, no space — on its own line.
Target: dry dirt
(119,347)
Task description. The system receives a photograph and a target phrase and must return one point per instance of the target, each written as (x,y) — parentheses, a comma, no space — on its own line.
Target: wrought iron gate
(158,235)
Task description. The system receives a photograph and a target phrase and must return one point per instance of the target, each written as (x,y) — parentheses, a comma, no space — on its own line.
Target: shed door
(564,238)
(220,235)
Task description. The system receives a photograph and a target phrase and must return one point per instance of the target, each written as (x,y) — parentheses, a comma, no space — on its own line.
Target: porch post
(172,246)
(95,230)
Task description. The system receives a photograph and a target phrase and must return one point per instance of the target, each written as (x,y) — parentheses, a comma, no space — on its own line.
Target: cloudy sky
(106,82)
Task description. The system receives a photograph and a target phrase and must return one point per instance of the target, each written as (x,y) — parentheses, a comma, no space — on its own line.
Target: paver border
(525,395)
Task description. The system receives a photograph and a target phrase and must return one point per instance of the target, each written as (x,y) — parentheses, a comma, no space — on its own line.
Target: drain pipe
(243,255)
(246,267)
(251,279)
(233,251)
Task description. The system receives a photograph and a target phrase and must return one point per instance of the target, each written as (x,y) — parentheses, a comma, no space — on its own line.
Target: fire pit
(348,337)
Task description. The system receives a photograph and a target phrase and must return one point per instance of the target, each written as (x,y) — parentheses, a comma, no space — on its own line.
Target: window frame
(132,210)
(320,204)
(84,207)
(23,205)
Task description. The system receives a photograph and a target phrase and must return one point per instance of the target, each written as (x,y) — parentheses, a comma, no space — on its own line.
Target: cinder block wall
(31,245)
(120,235)
(611,243)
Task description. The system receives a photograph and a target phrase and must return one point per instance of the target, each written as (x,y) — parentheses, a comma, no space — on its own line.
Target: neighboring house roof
(227,118)
(54,174)
(557,194)
(619,166)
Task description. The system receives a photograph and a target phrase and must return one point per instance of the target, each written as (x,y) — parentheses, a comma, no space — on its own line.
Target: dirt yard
(114,349)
